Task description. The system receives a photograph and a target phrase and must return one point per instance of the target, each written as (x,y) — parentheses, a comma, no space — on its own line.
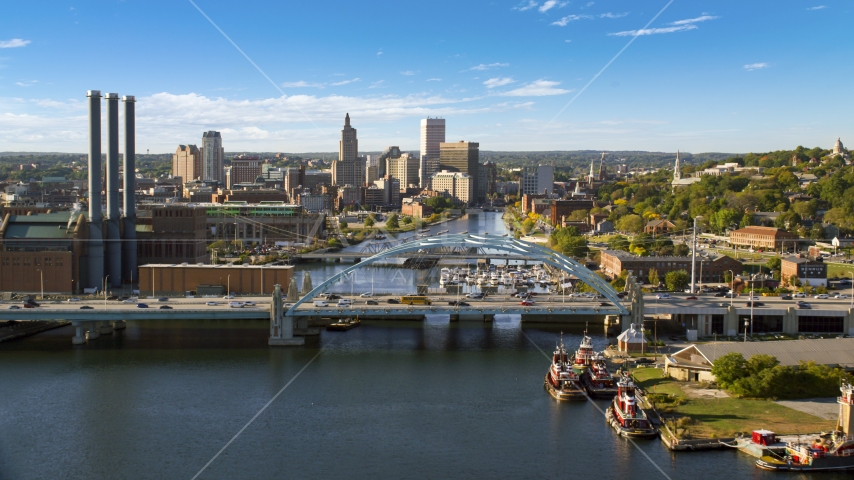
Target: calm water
(386,400)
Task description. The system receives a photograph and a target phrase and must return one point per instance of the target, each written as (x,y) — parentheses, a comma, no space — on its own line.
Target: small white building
(632,340)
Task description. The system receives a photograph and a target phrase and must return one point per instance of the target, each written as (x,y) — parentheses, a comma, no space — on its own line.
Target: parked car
(644,361)
(371,302)
(800,295)
(720,294)
(163,299)
(393,301)
(13,307)
(165,307)
(86,307)
(663,296)
(141,305)
(692,297)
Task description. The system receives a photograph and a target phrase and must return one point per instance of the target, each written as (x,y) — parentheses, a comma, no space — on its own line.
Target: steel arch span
(501,243)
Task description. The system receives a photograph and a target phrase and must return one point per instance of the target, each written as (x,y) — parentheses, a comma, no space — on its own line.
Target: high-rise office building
(432,136)
(212,157)
(245,169)
(457,185)
(406,168)
(349,169)
(187,162)
(460,157)
(538,180)
(486,176)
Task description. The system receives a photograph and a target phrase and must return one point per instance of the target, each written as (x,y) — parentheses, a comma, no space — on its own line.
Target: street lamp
(41,278)
(852,289)
(105,291)
(732,286)
(228,279)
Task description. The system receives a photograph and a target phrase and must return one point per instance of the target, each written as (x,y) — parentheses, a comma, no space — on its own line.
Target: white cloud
(344,82)
(538,88)
(820,7)
(434,79)
(525,6)
(498,82)
(14,43)
(548,5)
(27,83)
(654,31)
(379,53)
(756,66)
(699,19)
(568,41)
(484,66)
(571,18)
(408,73)
(613,15)
(302,84)
(377,84)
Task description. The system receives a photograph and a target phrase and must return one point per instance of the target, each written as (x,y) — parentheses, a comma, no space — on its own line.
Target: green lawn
(723,417)
(839,270)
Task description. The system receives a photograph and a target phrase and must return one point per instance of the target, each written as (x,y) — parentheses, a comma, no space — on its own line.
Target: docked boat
(598,381)
(561,381)
(585,355)
(624,414)
(832,451)
(343,325)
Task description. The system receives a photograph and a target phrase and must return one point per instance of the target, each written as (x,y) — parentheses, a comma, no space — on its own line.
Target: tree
(619,242)
(681,250)
(723,219)
(406,220)
(392,222)
(729,368)
(817,232)
(369,222)
(653,277)
(774,263)
(676,280)
(630,223)
(578,216)
(527,226)
(342,224)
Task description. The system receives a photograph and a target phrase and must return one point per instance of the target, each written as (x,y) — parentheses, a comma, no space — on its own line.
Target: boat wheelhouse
(624,413)
(562,382)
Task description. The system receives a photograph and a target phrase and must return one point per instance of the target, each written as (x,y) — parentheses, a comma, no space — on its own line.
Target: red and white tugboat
(598,380)
(625,416)
(585,355)
(561,381)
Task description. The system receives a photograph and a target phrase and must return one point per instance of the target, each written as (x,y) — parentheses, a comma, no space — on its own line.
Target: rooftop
(831,351)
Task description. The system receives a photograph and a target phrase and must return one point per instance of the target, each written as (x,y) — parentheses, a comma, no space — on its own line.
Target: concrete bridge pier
(489,317)
(281,326)
(105,329)
(94,330)
(79,337)
(454,317)
(120,325)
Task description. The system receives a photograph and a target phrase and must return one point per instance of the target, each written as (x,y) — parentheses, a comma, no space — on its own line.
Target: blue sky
(730,76)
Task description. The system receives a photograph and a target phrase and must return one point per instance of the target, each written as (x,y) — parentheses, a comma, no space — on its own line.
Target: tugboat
(624,415)
(343,325)
(584,356)
(598,380)
(561,381)
(832,451)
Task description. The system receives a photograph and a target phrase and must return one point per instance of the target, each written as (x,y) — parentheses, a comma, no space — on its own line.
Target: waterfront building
(458,185)
(178,279)
(463,157)
(171,233)
(213,157)
(713,266)
(267,222)
(187,162)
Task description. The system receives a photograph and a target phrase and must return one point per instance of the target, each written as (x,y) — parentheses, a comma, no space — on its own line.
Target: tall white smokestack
(95,246)
(129,258)
(114,246)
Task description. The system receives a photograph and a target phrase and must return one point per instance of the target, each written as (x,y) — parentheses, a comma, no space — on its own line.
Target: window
(48,262)
(38,261)
(59,261)
(5,261)
(718,324)
(810,324)
(16,261)
(26,261)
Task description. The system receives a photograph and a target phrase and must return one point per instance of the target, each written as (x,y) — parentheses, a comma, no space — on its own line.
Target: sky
(513,75)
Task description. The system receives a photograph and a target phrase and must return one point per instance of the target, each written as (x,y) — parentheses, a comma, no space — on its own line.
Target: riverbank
(693,413)
(14,330)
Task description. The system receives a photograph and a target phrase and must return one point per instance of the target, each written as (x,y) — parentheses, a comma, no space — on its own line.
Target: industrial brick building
(178,279)
(709,268)
(762,237)
(805,269)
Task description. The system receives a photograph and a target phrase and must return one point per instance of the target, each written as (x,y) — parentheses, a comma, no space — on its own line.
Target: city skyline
(608,75)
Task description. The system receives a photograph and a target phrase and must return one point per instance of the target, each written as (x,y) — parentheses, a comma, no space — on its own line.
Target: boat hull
(628,432)
(825,464)
(573,394)
(342,327)
(597,392)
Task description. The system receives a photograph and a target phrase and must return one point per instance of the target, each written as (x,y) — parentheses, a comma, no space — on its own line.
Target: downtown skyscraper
(432,135)
(349,169)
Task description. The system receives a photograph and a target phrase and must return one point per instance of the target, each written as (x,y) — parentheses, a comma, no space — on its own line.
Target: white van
(321,303)
(345,302)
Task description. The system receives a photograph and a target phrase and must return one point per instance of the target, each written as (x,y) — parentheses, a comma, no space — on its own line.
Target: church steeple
(677,169)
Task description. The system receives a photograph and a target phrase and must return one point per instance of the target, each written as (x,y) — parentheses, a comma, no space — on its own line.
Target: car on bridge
(821,296)
(249,303)
(475,296)
(692,297)
(211,304)
(236,304)
(321,303)
(165,307)
(754,304)
(785,297)
(804,305)
(345,302)
(163,299)
(141,305)
(366,295)
(86,307)
(841,295)
(371,302)
(13,307)
(527,303)
(75,299)
(663,296)
(393,301)
(129,300)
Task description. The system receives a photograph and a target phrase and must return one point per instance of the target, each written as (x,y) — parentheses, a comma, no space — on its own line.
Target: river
(386,400)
